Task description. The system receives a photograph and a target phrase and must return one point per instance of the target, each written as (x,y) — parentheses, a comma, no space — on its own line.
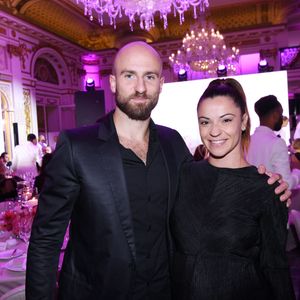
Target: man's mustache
(139,95)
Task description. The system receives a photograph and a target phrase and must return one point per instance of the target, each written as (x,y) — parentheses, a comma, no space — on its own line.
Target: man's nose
(140,85)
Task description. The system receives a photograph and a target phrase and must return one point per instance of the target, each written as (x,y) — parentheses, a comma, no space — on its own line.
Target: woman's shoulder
(198,167)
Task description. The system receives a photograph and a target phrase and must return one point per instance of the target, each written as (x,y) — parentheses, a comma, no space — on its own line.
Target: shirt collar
(265,129)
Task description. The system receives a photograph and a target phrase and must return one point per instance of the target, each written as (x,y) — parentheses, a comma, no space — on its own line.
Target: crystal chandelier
(203,50)
(142,9)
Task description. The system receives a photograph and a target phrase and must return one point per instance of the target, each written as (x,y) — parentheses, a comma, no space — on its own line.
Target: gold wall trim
(27,110)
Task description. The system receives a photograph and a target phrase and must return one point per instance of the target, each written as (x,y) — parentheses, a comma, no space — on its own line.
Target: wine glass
(26,220)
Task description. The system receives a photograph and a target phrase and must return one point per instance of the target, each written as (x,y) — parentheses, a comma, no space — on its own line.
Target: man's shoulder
(264,135)
(169,135)
(280,143)
(167,131)
(82,133)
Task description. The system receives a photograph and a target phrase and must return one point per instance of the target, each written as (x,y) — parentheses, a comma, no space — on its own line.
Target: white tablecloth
(11,279)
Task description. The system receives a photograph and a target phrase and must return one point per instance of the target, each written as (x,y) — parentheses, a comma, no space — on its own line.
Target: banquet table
(13,269)
(15,217)
(12,265)
(15,227)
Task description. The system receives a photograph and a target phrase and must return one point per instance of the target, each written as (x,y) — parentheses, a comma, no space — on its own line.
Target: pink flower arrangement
(13,220)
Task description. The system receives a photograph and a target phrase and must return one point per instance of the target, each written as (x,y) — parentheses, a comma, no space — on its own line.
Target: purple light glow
(263,63)
(91,66)
(288,55)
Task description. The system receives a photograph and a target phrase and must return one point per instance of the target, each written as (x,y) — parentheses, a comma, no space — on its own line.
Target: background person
(40,179)
(4,168)
(266,147)
(26,157)
(295,154)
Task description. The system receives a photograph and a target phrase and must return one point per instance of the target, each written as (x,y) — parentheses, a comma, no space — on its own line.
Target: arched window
(44,71)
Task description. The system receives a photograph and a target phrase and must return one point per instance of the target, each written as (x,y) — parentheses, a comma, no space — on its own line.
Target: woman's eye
(203,123)
(227,120)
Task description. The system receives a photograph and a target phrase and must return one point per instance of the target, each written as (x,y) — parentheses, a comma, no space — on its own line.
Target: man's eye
(129,76)
(150,77)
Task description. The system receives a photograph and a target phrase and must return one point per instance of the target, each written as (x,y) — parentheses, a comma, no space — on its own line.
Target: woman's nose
(215,130)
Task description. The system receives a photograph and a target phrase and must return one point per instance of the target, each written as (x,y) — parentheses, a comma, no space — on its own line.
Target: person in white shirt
(297,131)
(26,156)
(266,147)
(42,144)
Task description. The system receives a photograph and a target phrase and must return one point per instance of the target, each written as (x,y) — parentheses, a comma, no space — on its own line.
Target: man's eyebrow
(151,73)
(145,74)
(128,71)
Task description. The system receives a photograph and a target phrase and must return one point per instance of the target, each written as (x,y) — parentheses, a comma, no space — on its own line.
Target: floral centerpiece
(18,219)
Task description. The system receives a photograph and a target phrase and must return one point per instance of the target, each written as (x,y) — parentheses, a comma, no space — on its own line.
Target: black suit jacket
(85,184)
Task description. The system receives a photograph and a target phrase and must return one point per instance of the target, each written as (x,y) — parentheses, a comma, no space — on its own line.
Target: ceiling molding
(65,19)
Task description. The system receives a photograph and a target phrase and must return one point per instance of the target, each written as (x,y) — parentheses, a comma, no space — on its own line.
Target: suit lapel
(171,166)
(173,175)
(113,167)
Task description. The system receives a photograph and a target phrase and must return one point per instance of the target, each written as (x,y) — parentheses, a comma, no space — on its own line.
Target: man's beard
(137,111)
(278,125)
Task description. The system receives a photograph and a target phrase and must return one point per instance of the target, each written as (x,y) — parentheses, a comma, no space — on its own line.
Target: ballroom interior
(50,52)
(48,49)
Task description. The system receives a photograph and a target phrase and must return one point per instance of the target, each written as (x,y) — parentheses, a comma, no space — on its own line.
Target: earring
(243,128)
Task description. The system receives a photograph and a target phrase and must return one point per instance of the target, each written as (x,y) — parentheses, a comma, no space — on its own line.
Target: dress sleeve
(273,259)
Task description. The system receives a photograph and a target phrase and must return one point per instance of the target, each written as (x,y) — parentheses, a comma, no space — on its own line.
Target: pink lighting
(248,63)
(91,66)
(263,63)
(288,56)
(90,85)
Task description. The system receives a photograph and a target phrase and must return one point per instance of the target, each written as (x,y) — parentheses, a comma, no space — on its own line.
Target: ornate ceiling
(65,19)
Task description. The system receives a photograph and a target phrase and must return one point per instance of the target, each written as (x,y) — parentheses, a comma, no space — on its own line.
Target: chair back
(8,188)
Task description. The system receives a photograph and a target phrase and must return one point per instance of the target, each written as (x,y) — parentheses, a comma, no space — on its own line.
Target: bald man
(116,183)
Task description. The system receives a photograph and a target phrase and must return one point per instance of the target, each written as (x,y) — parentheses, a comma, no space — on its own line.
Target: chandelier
(204,50)
(142,9)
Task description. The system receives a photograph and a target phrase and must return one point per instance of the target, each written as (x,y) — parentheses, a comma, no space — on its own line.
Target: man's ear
(112,83)
(161,83)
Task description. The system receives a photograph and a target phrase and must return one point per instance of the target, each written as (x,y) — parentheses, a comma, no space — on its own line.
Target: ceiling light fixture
(142,9)
(221,70)
(202,50)
(263,66)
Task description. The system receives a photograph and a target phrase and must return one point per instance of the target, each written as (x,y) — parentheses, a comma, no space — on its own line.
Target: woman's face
(220,125)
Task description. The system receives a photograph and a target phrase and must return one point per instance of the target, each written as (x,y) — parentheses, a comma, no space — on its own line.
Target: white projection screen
(178,101)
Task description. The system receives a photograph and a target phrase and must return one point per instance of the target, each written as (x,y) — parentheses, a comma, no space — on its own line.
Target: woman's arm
(273,260)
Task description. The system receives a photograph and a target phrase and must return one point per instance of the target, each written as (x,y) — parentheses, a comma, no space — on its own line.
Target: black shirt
(148,193)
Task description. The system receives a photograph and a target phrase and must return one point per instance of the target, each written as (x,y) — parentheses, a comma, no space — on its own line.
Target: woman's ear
(244,121)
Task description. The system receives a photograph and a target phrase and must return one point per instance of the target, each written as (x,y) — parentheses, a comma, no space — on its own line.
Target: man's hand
(283,187)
